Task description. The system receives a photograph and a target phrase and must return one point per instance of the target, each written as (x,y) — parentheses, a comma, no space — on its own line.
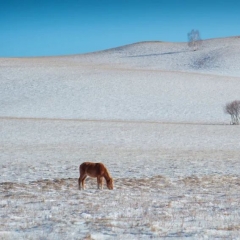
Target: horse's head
(110,184)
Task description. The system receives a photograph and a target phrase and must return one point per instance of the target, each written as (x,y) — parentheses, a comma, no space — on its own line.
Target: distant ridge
(156,42)
(214,56)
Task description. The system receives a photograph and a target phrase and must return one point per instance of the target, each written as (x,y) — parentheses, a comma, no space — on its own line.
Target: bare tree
(233,109)
(194,39)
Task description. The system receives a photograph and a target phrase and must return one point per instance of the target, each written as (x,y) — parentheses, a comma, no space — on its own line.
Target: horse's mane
(107,173)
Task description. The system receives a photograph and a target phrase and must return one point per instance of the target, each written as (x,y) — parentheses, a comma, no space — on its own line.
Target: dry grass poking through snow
(156,207)
(190,190)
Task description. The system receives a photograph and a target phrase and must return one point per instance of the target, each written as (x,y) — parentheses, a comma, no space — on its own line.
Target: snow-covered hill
(149,81)
(217,56)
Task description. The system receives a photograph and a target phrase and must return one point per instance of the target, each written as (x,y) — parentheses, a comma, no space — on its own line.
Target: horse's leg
(81,182)
(100,182)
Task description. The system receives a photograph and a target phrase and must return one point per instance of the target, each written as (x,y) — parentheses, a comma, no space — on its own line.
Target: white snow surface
(152,112)
(152,81)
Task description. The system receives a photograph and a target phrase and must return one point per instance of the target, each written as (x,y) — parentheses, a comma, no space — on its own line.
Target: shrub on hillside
(194,39)
(233,109)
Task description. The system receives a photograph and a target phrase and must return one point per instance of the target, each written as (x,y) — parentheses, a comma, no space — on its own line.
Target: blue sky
(60,27)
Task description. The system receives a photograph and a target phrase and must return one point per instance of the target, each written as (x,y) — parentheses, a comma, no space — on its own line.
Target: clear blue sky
(59,27)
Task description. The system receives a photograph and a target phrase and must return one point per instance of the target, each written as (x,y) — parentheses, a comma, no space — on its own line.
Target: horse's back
(91,168)
(91,165)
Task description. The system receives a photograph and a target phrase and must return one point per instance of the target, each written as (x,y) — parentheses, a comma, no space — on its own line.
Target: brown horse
(95,170)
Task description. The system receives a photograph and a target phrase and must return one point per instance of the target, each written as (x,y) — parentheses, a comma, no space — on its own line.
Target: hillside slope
(216,56)
(149,81)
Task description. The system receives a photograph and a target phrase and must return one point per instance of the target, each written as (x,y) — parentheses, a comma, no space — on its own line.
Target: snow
(152,112)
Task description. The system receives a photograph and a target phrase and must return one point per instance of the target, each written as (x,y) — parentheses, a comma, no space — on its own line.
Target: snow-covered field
(152,112)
